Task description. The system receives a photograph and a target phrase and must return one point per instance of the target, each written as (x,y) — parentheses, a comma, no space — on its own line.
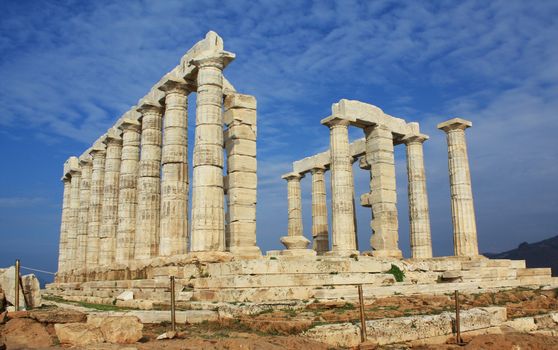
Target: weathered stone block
(240,131)
(240,101)
(243,180)
(238,162)
(246,116)
(241,147)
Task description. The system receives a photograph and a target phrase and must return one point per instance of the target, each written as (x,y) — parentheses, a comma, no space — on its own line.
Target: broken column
(98,154)
(295,242)
(383,196)
(419,218)
(342,213)
(84,197)
(109,212)
(127,196)
(174,162)
(319,211)
(462,208)
(208,201)
(149,182)
(242,180)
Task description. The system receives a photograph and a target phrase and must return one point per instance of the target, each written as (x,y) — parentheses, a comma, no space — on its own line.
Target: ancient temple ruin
(126,199)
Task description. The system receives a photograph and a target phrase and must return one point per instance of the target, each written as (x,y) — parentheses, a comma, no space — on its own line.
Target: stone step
(534,272)
(303,266)
(253,294)
(293,279)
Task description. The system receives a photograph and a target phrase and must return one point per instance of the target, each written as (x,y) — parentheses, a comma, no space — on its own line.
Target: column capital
(455,124)
(85,160)
(75,171)
(174,84)
(65,179)
(149,107)
(415,138)
(334,120)
(113,137)
(130,125)
(318,169)
(292,176)
(219,59)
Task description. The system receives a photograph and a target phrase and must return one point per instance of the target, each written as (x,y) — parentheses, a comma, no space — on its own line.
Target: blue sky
(69,69)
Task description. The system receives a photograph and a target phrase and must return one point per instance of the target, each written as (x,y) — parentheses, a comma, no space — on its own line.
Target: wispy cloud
(20,202)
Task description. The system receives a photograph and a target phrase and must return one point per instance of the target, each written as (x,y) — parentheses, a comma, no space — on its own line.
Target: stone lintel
(455,123)
(172,81)
(415,138)
(126,123)
(219,58)
(319,168)
(98,146)
(154,99)
(356,148)
(70,164)
(335,119)
(292,176)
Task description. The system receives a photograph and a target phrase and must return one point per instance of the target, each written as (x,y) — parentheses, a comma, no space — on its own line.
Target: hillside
(538,254)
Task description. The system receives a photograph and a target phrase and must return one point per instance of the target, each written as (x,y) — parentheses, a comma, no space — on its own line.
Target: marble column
(208,197)
(84,197)
(319,211)
(98,154)
(64,224)
(73,219)
(109,212)
(242,181)
(342,214)
(127,196)
(174,182)
(295,242)
(383,195)
(419,217)
(149,181)
(462,208)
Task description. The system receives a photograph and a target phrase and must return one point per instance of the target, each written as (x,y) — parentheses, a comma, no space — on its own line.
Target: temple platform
(276,279)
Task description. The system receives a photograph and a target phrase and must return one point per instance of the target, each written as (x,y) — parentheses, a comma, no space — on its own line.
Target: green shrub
(397,273)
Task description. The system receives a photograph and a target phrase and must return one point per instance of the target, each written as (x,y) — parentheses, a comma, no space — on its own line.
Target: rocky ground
(281,329)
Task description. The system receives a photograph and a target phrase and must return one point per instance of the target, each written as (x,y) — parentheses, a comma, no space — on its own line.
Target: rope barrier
(43,271)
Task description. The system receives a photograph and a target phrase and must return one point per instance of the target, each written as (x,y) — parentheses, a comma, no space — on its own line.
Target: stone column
(109,212)
(419,218)
(343,224)
(208,201)
(64,224)
(174,183)
(84,197)
(127,196)
(73,219)
(462,208)
(383,195)
(98,154)
(149,182)
(319,211)
(295,242)
(242,181)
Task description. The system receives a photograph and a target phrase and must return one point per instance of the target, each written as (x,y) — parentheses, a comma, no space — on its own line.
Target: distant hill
(538,254)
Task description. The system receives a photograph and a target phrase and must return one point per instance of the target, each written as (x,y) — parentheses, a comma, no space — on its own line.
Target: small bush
(397,273)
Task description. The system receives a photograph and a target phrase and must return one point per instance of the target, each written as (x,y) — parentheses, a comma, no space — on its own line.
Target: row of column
(128,199)
(382,199)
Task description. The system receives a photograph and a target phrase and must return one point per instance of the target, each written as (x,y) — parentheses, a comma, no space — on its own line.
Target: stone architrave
(146,242)
(383,196)
(174,183)
(73,221)
(98,153)
(319,211)
(66,199)
(208,198)
(342,213)
(127,196)
(295,242)
(462,207)
(109,212)
(240,145)
(84,198)
(419,217)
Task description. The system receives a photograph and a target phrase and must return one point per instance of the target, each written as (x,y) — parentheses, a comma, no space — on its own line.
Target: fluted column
(84,197)
(343,224)
(64,224)
(127,197)
(319,211)
(174,182)
(109,212)
(462,208)
(383,195)
(149,182)
(95,204)
(73,219)
(208,201)
(419,217)
(295,242)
